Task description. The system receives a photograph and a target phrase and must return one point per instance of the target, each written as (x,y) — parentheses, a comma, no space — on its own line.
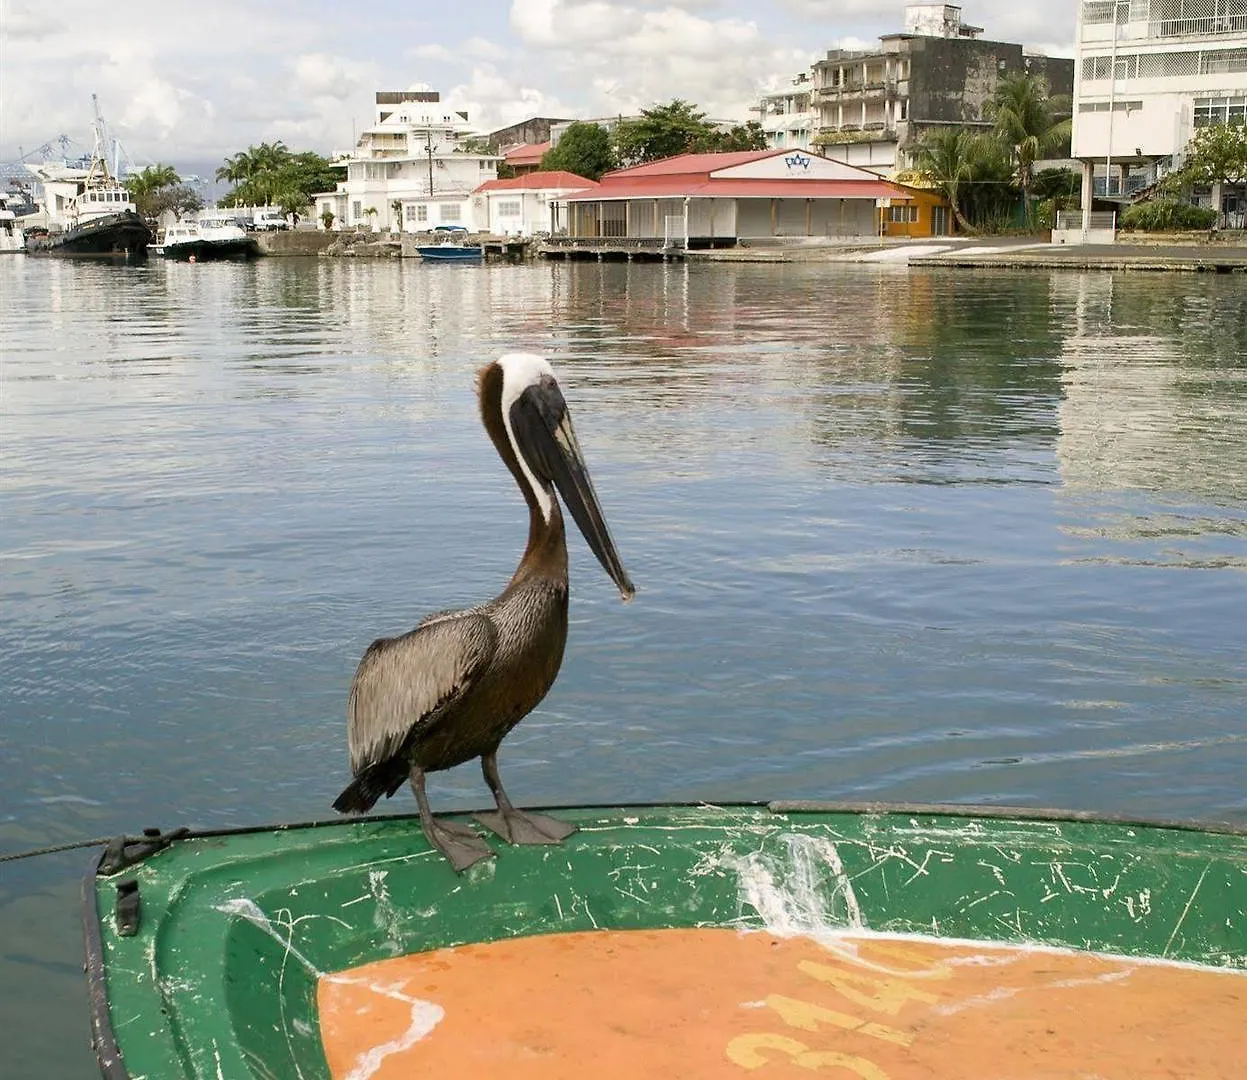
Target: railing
(1097,221)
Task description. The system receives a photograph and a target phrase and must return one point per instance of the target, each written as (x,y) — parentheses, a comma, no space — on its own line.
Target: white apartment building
(788,117)
(414,169)
(1149,72)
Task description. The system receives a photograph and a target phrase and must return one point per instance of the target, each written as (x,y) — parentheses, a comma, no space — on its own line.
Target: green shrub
(1167,215)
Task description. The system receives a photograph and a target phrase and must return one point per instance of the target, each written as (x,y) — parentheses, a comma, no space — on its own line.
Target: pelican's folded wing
(403,683)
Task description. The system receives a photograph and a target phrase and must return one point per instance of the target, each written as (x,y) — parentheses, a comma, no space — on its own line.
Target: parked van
(266,220)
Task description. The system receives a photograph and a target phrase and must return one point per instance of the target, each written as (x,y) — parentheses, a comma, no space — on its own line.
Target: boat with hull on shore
(707,941)
(12,239)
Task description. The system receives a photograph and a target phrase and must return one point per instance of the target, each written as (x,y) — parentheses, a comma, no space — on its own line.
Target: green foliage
(662,131)
(584,149)
(1057,184)
(507,172)
(327,218)
(1028,124)
(972,172)
(1216,154)
(159,188)
(679,128)
(1167,215)
(271,175)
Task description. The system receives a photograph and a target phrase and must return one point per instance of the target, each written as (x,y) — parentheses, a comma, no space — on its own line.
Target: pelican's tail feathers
(362,793)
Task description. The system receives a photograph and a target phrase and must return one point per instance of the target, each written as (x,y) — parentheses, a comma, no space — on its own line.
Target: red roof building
(716,200)
(526,158)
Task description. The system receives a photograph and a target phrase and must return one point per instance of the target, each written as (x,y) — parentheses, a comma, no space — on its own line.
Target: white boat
(216,235)
(11,237)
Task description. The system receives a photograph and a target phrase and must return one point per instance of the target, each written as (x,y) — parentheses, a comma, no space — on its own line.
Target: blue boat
(448,251)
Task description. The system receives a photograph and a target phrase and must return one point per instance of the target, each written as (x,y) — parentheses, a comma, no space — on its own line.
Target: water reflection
(908,535)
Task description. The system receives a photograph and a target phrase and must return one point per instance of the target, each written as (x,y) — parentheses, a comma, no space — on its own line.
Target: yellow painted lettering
(747,1052)
(881,994)
(807,1017)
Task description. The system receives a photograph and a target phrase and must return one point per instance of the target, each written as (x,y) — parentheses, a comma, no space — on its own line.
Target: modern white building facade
(526,205)
(1149,73)
(414,169)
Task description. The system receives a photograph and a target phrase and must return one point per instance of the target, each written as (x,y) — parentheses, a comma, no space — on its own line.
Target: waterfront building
(718,200)
(526,205)
(413,169)
(526,158)
(1150,72)
(788,117)
(875,106)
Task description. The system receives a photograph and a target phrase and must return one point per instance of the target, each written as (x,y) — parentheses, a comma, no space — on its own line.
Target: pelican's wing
(403,683)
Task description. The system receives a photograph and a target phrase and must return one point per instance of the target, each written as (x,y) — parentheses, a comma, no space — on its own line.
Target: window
(510,208)
(904,214)
(409,212)
(422,212)
(357,210)
(451,211)
(1209,111)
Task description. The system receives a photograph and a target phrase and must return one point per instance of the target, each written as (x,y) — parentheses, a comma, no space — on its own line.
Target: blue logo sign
(797,161)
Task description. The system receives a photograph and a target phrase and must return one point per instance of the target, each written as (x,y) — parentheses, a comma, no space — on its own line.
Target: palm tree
(1026,122)
(946,160)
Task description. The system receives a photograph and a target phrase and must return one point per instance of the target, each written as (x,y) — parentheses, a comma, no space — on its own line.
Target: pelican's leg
(458,843)
(516,826)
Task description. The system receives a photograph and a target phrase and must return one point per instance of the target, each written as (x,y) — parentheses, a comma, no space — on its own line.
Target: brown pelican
(451,689)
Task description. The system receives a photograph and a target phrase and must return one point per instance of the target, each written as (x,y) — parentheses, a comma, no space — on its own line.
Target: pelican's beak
(551,446)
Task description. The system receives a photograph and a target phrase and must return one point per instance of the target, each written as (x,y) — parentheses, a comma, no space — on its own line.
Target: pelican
(451,689)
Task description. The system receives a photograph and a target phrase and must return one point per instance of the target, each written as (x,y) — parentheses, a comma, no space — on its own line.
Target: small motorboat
(449,251)
(214,236)
(677,941)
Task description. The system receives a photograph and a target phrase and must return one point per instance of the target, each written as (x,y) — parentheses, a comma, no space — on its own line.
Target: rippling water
(907,535)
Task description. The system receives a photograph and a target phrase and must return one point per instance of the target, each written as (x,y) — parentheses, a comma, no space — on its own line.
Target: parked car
(266,220)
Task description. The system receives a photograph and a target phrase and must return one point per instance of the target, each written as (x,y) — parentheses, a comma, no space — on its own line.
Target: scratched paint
(718,1004)
(240,932)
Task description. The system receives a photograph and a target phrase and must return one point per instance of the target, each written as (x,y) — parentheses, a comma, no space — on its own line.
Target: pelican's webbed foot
(461,845)
(517,826)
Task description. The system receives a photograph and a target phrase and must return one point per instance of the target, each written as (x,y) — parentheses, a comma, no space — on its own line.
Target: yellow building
(917,212)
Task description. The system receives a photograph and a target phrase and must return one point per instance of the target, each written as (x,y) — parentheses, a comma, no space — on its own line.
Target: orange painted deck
(710,1004)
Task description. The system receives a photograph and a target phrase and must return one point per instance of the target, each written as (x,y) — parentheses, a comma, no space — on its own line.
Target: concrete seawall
(293,241)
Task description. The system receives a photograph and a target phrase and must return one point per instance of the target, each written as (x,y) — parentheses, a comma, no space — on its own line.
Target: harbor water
(910,535)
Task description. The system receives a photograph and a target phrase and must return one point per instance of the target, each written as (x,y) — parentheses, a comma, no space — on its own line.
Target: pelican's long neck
(545,555)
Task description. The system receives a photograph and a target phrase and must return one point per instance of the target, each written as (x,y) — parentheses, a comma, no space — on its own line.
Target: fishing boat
(884,943)
(214,236)
(449,251)
(90,212)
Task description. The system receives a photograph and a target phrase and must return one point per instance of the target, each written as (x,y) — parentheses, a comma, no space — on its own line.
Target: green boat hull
(234,929)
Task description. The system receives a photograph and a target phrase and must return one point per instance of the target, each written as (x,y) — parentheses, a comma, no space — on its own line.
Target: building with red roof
(717,200)
(526,204)
(526,158)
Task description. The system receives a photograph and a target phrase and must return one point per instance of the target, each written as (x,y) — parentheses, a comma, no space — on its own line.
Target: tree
(327,218)
(159,188)
(748,136)
(1027,123)
(946,160)
(271,175)
(584,149)
(1216,154)
(662,132)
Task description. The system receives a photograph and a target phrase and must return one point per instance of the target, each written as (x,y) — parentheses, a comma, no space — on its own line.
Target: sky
(188,84)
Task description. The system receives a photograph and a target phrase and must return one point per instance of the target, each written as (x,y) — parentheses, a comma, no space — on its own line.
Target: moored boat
(89,211)
(11,236)
(213,236)
(678,941)
(449,251)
